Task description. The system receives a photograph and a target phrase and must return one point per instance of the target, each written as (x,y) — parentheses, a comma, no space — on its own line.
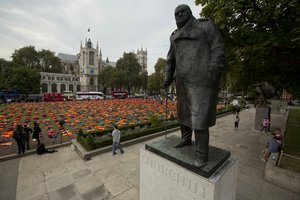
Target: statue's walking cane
(166,109)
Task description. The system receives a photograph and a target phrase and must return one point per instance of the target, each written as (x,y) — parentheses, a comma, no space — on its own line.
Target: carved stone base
(162,179)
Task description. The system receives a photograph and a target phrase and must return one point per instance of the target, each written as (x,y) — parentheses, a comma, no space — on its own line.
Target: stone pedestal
(163,179)
(261,112)
(276,107)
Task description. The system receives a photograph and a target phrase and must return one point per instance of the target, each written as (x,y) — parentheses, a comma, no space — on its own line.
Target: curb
(32,151)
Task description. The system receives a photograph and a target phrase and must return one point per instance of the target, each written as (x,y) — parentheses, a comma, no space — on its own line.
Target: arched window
(91,81)
(54,87)
(62,87)
(44,87)
(71,87)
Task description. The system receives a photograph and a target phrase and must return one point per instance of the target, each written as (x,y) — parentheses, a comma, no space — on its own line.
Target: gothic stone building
(80,72)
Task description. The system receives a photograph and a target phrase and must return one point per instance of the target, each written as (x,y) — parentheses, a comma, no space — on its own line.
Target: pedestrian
(42,150)
(237,109)
(27,131)
(236,122)
(273,146)
(195,61)
(265,122)
(19,137)
(36,135)
(116,134)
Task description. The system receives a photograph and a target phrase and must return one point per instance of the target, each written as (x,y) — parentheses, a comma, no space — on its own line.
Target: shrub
(101,139)
(155,121)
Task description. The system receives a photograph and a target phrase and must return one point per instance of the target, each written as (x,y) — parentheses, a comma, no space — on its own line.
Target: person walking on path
(264,125)
(116,134)
(236,122)
(19,137)
(37,133)
(27,131)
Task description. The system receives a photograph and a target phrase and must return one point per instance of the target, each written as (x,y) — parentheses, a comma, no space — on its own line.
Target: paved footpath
(65,176)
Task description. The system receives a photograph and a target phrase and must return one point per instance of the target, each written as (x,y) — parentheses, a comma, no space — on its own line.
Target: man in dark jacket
(19,137)
(195,61)
(27,131)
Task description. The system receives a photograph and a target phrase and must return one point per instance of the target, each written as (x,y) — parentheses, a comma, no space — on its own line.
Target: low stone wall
(281,177)
(88,154)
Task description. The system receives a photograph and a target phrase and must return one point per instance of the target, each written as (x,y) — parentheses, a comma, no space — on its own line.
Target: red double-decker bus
(47,97)
(119,94)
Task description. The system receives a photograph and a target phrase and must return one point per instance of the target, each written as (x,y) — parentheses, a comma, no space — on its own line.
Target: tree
(156,80)
(105,77)
(6,71)
(251,30)
(26,56)
(25,80)
(130,69)
(143,80)
(49,62)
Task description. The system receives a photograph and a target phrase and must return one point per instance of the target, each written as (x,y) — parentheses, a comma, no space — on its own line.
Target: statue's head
(182,15)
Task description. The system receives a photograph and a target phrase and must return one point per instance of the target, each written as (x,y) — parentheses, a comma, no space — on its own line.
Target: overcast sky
(118,25)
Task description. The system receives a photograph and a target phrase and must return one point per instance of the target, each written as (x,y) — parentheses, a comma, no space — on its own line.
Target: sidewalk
(64,175)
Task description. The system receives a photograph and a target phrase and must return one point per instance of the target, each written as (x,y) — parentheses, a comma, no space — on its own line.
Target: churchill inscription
(162,179)
(175,176)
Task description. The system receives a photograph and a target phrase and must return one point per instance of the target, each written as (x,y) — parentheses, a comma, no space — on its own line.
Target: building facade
(58,83)
(90,63)
(80,72)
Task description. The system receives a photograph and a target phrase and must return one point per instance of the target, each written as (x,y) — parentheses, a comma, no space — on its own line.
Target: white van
(89,95)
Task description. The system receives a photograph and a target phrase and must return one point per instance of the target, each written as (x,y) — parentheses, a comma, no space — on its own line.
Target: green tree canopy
(130,69)
(26,56)
(49,62)
(156,80)
(23,72)
(105,77)
(25,80)
(251,30)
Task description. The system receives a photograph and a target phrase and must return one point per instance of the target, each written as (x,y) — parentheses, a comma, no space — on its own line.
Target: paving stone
(43,197)
(30,180)
(81,173)
(118,185)
(97,194)
(31,192)
(75,165)
(247,191)
(59,182)
(55,172)
(109,174)
(87,183)
(131,194)
(63,193)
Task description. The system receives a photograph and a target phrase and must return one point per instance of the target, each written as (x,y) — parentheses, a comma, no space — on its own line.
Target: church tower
(141,56)
(89,61)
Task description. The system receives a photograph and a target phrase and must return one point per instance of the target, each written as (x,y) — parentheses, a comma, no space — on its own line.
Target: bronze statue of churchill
(195,62)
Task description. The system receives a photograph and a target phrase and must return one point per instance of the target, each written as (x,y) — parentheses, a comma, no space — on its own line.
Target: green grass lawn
(292,142)
(292,134)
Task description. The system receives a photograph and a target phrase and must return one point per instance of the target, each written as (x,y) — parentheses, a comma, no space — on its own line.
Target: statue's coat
(195,61)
